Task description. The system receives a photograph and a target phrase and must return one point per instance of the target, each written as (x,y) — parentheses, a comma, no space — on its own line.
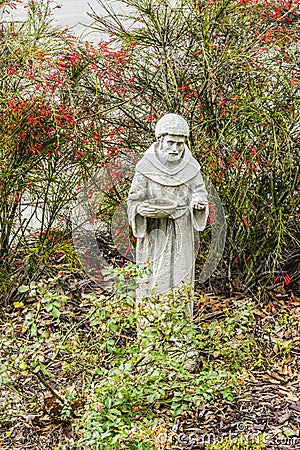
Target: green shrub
(231,68)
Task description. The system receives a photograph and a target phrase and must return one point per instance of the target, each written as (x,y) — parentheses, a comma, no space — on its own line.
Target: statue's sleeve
(137,194)
(199,194)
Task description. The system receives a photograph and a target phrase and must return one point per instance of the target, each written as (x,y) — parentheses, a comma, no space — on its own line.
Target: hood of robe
(151,167)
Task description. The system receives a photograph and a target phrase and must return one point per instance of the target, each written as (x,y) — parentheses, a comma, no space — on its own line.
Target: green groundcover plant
(120,373)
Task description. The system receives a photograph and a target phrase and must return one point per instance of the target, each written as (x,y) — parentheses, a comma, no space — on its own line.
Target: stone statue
(167,207)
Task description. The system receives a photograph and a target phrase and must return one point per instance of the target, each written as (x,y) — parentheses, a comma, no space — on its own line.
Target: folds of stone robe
(169,244)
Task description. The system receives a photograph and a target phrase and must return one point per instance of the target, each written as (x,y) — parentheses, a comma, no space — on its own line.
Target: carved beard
(166,157)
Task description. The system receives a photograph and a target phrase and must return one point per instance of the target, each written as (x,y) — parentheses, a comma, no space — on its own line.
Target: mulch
(268,407)
(268,404)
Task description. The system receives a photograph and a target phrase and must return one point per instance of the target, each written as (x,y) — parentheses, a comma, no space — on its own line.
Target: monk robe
(169,244)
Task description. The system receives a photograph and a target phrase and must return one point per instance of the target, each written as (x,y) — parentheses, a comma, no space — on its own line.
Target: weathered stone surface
(167,207)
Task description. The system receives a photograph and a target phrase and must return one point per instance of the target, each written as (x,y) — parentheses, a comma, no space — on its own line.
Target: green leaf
(23,289)
(116,412)
(29,316)
(55,312)
(151,397)
(110,349)
(48,307)
(108,403)
(94,322)
(112,326)
(177,410)
(33,330)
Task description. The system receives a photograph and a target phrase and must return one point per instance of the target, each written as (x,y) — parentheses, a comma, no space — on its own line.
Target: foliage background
(230,67)
(68,111)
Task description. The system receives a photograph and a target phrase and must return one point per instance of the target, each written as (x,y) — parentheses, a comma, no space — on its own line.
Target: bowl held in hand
(163,207)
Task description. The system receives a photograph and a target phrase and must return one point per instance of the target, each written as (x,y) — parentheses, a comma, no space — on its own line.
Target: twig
(47,385)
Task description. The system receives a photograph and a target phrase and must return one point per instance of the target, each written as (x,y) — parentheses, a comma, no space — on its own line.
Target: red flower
(294,84)
(286,279)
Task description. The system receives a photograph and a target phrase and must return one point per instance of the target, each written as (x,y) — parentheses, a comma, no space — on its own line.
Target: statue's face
(171,147)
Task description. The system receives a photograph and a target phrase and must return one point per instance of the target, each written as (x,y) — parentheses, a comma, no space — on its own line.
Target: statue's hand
(198,204)
(146,210)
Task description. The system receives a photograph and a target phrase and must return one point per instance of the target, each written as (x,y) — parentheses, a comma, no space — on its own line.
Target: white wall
(70,13)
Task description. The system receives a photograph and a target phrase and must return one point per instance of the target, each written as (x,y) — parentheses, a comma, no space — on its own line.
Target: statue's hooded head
(171,132)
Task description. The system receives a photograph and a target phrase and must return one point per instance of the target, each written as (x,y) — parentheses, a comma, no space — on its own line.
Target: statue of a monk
(167,207)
